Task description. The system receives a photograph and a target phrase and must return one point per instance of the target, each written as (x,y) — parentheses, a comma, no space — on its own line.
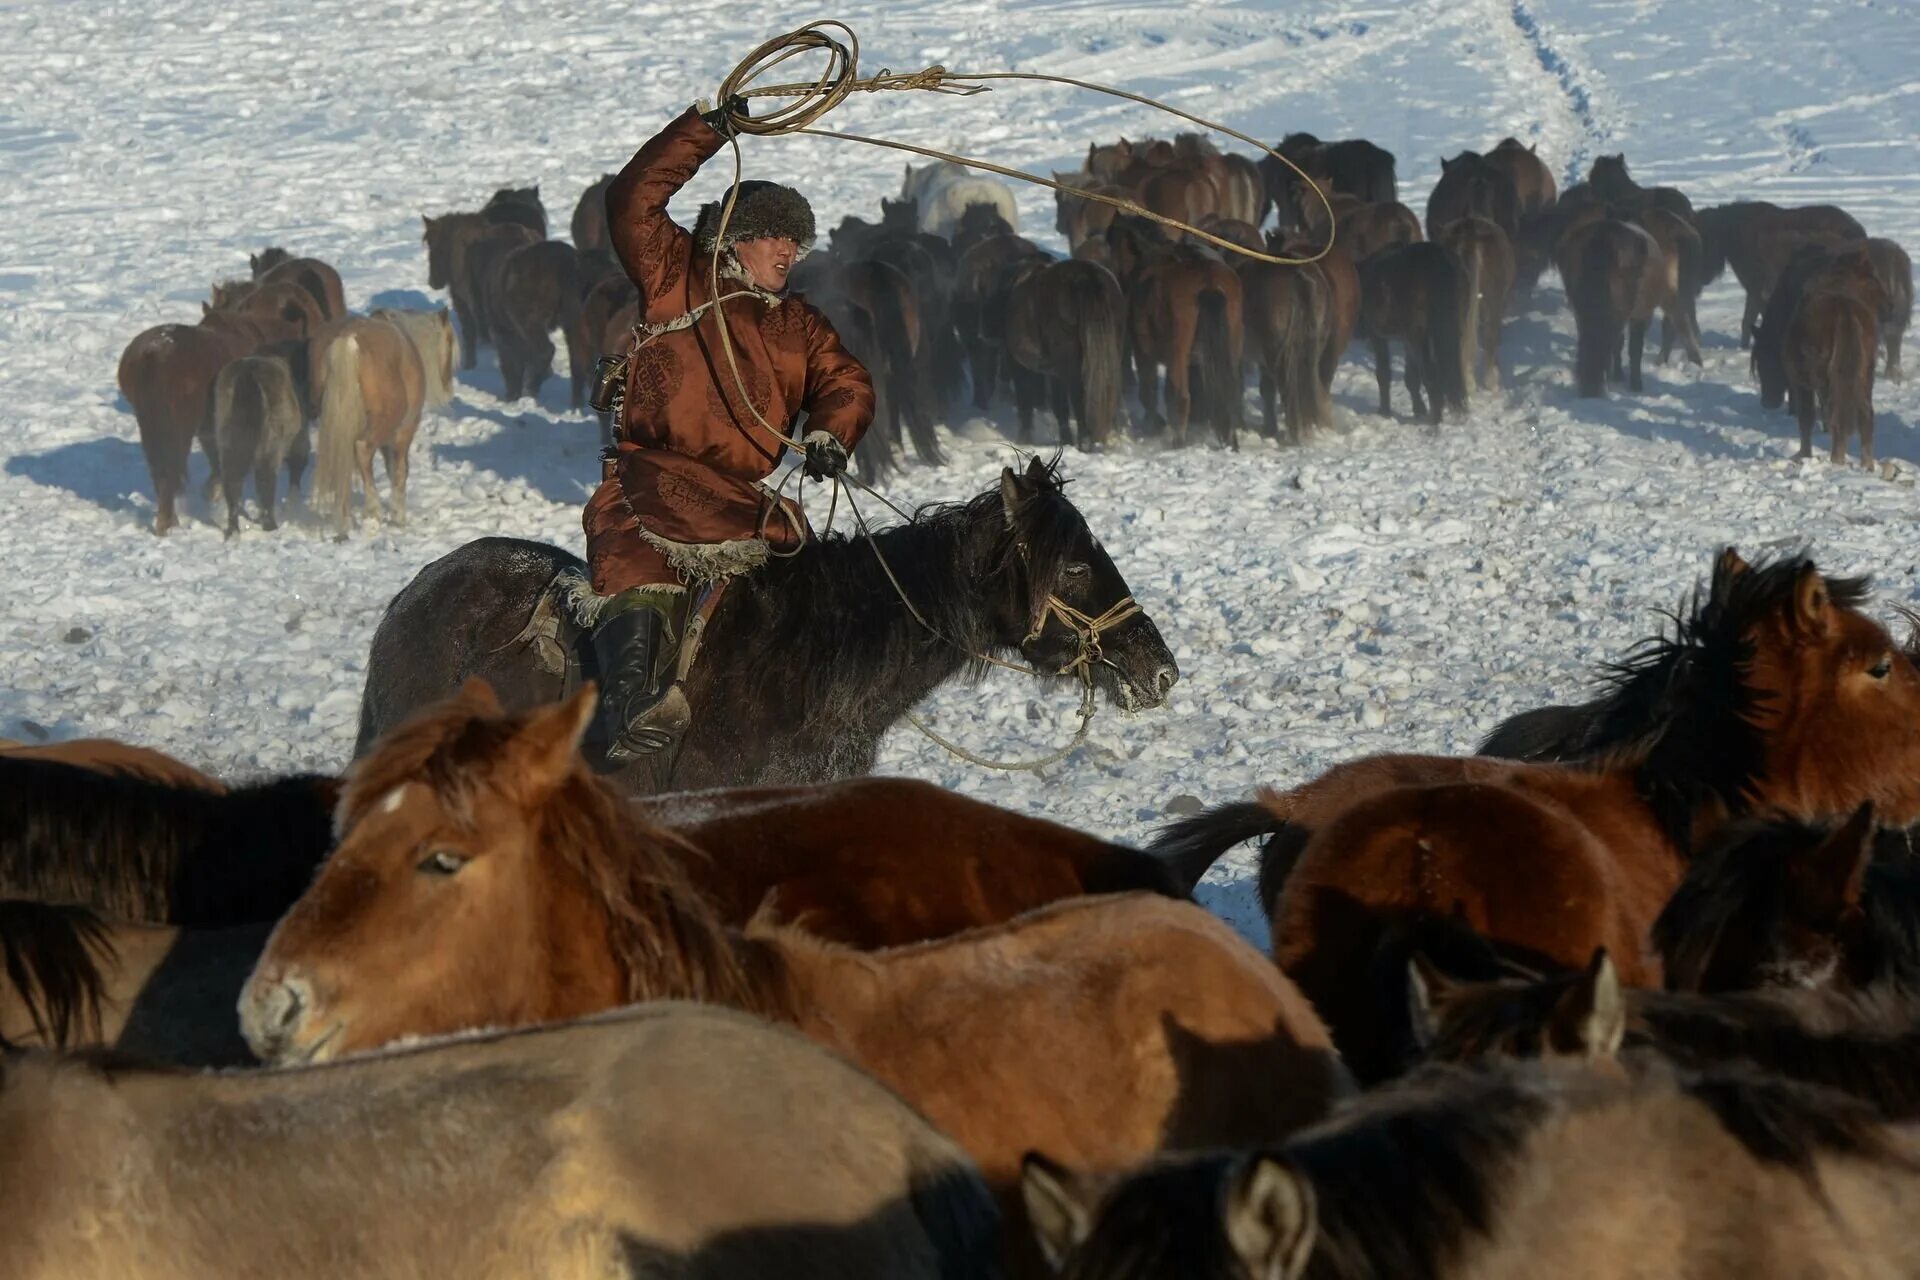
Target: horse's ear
(1730,565)
(477,691)
(1829,879)
(1427,990)
(1056,1207)
(1013,494)
(1812,609)
(1446,165)
(1269,1218)
(545,750)
(1590,1020)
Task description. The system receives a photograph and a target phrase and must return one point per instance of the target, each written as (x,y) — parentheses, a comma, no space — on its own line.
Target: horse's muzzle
(274,1009)
(1141,668)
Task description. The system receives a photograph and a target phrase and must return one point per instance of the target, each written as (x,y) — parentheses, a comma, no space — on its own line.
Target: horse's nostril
(1165,678)
(273,1010)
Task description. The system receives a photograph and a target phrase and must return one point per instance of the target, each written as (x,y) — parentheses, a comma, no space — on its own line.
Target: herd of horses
(510,1014)
(944,301)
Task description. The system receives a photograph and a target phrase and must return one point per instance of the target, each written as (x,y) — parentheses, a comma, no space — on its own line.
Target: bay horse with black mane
(1419,294)
(1775,693)
(853,661)
(486,877)
(1064,326)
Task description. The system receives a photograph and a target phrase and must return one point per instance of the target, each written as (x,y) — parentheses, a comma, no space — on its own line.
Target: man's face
(768,260)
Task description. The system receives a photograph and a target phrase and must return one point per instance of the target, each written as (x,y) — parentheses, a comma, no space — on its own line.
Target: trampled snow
(1381,589)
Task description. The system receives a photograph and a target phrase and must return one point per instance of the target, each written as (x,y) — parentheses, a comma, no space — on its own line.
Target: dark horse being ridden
(807,661)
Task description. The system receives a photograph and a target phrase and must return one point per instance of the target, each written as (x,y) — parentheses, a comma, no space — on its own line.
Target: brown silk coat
(691,456)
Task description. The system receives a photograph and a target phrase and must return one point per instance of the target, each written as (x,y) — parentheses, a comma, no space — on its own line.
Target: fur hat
(763,209)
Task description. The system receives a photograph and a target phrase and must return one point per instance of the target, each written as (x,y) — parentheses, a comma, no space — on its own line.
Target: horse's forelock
(445,749)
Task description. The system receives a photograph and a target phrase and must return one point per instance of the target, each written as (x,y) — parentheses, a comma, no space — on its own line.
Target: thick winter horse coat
(691,455)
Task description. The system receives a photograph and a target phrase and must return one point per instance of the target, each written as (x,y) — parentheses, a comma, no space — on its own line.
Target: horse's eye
(1074,571)
(1883,668)
(442,862)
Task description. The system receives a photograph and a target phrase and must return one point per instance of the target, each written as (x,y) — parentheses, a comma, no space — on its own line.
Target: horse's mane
(837,631)
(52,955)
(1680,710)
(1747,868)
(667,939)
(150,850)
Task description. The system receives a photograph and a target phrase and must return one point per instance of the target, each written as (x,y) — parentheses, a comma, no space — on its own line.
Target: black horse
(808,660)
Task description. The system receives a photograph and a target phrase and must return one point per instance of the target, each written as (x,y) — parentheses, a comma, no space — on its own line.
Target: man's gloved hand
(720,119)
(826,456)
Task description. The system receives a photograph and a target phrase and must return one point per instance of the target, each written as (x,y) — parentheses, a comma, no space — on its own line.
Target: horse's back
(107,755)
(463,615)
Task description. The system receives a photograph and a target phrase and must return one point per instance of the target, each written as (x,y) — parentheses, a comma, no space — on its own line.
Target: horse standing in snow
(261,404)
(1418,294)
(1063,335)
(370,388)
(941,192)
(167,375)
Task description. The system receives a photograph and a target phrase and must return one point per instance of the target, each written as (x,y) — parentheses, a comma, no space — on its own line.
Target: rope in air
(838,80)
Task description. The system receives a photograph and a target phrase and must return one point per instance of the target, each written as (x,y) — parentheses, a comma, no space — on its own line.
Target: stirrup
(657,731)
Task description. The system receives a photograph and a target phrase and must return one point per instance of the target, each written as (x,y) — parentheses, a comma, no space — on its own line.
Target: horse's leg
(1062,398)
(1179,395)
(1637,342)
(468,324)
(1417,378)
(1750,319)
(1863,424)
(266,481)
(363,460)
(1893,354)
(1025,398)
(1802,405)
(1147,376)
(299,453)
(1383,374)
(1667,333)
(398,465)
(539,364)
(1269,421)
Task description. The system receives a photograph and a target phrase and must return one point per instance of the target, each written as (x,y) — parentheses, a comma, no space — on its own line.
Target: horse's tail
(898,329)
(343,415)
(1099,356)
(1690,277)
(1446,313)
(52,955)
(1219,372)
(1192,845)
(1304,394)
(959,1215)
(1712,226)
(1598,321)
(1850,363)
(1474,263)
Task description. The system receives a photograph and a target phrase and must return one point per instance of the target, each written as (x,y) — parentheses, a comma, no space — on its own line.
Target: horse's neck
(953,564)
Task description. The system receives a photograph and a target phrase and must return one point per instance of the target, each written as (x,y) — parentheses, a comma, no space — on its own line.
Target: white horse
(941,191)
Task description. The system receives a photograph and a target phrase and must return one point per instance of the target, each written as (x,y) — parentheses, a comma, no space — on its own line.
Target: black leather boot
(643,712)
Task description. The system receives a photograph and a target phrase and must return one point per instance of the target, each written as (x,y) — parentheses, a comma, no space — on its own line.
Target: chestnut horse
(371,387)
(108,755)
(1533,186)
(1831,346)
(1486,254)
(518,888)
(1616,277)
(316,277)
(166,375)
(669,1140)
(1185,315)
(1776,692)
(1290,324)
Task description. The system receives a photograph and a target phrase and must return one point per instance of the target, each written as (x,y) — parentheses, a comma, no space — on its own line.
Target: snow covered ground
(1382,589)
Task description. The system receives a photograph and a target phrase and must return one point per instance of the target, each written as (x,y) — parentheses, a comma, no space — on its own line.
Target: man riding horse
(682,507)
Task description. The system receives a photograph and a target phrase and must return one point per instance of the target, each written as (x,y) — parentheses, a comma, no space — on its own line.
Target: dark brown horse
(1064,324)
(482,841)
(1775,693)
(982,287)
(1472,186)
(167,375)
(273,265)
(281,309)
(1506,1169)
(530,292)
(261,404)
(447,239)
(1831,347)
(1847,269)
(1352,166)
(1419,295)
(590,220)
(1486,255)
(1613,186)
(517,206)
(1680,245)
(1290,324)
(1757,239)
(1533,186)
(1616,277)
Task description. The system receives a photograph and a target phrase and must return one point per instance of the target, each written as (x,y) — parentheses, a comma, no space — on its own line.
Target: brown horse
(108,755)
(1507,1169)
(370,388)
(270,266)
(1612,185)
(666,1140)
(1808,706)
(1290,322)
(447,239)
(982,287)
(1616,277)
(532,291)
(589,224)
(1184,315)
(1487,257)
(1848,269)
(1680,245)
(1757,239)
(1419,294)
(1063,327)
(167,375)
(1353,167)
(517,206)
(1533,186)
(1078,218)
(1830,352)
(283,309)
(481,847)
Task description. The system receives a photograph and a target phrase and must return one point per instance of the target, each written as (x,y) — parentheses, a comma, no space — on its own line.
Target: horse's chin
(324,1047)
(1130,697)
